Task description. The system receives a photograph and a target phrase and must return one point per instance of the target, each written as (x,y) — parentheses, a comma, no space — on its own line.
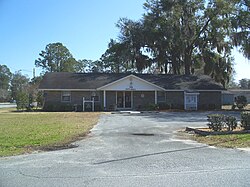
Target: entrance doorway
(124,100)
(191,101)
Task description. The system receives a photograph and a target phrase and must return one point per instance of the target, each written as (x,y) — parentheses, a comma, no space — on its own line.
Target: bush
(241,101)
(216,121)
(59,107)
(164,106)
(230,122)
(22,100)
(245,120)
(152,107)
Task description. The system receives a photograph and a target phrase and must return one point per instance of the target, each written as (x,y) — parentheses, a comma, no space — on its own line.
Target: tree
(19,85)
(241,27)
(178,36)
(34,94)
(116,58)
(244,83)
(5,77)
(57,58)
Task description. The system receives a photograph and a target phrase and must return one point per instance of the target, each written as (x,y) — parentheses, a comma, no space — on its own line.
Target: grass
(22,132)
(228,141)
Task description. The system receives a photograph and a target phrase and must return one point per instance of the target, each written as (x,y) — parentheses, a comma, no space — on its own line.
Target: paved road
(7,105)
(116,154)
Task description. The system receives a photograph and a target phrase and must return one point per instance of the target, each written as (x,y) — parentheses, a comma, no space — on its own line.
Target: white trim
(88,101)
(104,99)
(132,99)
(62,95)
(192,94)
(99,89)
(133,76)
(67,90)
(156,97)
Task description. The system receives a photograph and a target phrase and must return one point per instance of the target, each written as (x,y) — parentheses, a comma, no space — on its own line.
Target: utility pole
(34,72)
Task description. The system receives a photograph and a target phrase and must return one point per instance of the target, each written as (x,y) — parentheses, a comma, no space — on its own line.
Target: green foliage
(57,58)
(244,83)
(230,122)
(19,84)
(152,107)
(59,107)
(182,37)
(4,95)
(216,121)
(164,106)
(22,100)
(5,77)
(241,101)
(245,120)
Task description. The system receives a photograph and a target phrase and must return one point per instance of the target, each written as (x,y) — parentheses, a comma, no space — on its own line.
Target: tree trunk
(187,61)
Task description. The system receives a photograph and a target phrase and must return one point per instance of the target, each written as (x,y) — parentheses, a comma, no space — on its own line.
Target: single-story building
(227,98)
(111,91)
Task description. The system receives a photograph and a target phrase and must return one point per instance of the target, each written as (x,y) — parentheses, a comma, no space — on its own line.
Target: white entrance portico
(125,89)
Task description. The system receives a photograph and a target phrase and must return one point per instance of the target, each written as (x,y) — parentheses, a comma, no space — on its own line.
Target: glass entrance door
(127,100)
(119,99)
(123,100)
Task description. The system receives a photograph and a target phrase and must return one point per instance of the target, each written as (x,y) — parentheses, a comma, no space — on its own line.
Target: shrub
(22,100)
(241,101)
(164,106)
(59,107)
(152,107)
(245,120)
(230,122)
(216,121)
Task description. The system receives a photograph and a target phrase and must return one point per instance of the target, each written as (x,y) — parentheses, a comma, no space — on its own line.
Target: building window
(66,96)
(161,96)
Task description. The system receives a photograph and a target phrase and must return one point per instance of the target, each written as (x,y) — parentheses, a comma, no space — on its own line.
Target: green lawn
(22,132)
(229,141)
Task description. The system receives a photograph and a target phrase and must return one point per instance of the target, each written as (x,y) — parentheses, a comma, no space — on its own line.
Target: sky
(84,27)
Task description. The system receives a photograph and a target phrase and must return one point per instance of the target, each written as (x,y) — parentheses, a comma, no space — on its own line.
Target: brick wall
(209,100)
(142,99)
(54,98)
(175,99)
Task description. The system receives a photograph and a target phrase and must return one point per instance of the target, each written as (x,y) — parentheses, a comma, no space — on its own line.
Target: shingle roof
(64,80)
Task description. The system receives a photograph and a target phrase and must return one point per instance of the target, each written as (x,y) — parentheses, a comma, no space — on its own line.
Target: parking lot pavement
(132,150)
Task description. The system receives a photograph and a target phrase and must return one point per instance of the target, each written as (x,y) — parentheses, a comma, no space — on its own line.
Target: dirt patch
(207,131)
(143,134)
(57,147)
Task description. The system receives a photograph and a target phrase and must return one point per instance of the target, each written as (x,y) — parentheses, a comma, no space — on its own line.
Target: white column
(93,104)
(156,97)
(185,102)
(104,99)
(132,99)
(83,103)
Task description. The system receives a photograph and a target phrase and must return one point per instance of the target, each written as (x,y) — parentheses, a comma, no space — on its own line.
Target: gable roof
(130,77)
(92,81)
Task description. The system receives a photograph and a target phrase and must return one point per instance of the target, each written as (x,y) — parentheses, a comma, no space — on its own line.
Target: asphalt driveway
(132,150)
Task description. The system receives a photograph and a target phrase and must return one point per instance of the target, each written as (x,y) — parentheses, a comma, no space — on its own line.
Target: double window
(66,96)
